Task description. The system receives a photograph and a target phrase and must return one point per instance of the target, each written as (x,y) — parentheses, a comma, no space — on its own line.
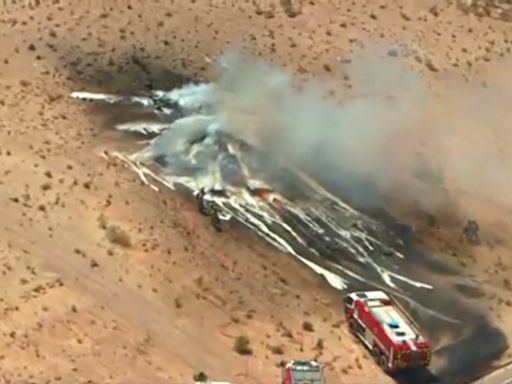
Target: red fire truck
(302,372)
(391,335)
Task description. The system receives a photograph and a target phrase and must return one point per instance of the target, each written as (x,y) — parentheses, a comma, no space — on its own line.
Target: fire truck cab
(302,372)
(390,334)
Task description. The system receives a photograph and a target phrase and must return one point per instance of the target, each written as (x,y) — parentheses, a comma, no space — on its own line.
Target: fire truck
(387,330)
(302,372)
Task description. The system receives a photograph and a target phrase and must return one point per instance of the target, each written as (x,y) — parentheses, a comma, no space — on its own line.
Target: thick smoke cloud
(344,145)
(392,140)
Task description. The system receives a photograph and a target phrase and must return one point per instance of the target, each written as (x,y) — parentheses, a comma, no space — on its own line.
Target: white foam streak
(144,127)
(113,99)
(191,97)
(334,280)
(413,303)
(189,147)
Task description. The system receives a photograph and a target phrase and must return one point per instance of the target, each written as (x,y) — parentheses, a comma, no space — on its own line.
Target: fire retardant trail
(197,139)
(189,148)
(194,142)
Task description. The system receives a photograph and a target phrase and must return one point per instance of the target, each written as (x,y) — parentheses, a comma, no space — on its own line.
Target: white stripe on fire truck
(374,339)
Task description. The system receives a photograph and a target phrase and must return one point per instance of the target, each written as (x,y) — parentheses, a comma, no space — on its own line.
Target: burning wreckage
(188,146)
(234,180)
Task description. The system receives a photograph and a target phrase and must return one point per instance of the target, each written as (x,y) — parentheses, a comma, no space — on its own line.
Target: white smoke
(393,140)
(260,104)
(344,145)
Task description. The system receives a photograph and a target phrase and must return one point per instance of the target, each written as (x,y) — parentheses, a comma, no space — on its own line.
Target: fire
(190,147)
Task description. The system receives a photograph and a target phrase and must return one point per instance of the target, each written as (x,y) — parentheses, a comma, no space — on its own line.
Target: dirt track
(78,306)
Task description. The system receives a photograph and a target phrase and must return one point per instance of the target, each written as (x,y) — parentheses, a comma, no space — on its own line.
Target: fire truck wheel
(383,362)
(352,326)
(376,354)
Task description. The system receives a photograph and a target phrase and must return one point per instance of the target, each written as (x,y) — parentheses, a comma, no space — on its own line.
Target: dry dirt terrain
(106,281)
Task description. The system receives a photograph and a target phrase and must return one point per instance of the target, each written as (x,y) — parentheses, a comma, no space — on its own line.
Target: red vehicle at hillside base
(390,334)
(302,372)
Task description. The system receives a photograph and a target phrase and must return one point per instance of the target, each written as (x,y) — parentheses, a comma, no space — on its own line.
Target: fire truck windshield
(306,376)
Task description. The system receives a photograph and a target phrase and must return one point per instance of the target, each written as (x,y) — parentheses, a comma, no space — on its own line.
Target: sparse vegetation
(307,326)
(507,284)
(430,65)
(287,333)
(117,235)
(200,377)
(102,221)
(276,349)
(242,345)
(143,346)
(292,8)
(167,243)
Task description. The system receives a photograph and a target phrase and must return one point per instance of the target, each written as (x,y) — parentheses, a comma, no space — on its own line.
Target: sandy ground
(81,303)
(108,281)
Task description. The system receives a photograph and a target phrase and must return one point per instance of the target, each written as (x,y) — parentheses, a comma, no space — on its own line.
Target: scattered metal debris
(190,151)
(232,180)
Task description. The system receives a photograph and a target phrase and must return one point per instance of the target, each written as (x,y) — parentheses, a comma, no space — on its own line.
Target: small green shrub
(242,345)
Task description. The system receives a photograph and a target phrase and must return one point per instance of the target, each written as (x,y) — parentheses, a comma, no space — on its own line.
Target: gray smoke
(391,135)
(391,141)
(362,139)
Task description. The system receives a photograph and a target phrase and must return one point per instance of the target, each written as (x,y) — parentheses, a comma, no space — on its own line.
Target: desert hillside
(106,280)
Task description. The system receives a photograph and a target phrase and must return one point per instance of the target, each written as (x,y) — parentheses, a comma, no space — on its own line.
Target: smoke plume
(392,139)
(346,146)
